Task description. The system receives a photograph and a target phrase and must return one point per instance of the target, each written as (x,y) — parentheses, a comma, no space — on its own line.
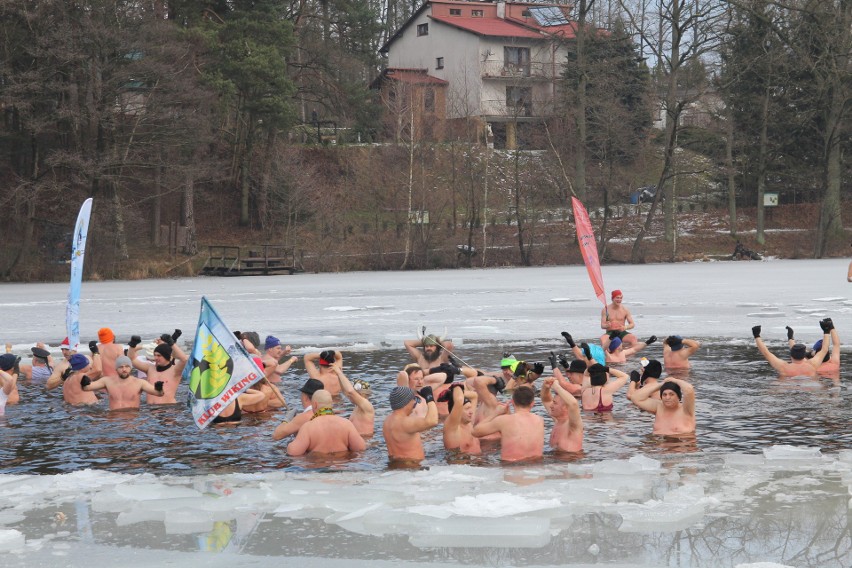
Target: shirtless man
(272,359)
(677,351)
(325,432)
(567,433)
(487,388)
(72,390)
(62,368)
(324,372)
(363,417)
(412,376)
(521,433)
(799,365)
(646,380)
(108,349)
(831,361)
(125,391)
(41,365)
(672,418)
(616,352)
(435,351)
(401,429)
(458,427)
(573,377)
(617,320)
(169,361)
(295,419)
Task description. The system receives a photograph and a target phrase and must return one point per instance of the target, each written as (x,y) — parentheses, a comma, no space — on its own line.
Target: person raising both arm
(674,412)
(677,350)
(799,365)
(521,432)
(363,417)
(401,428)
(830,365)
(458,427)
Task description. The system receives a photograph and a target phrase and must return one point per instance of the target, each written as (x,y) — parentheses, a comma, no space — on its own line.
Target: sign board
(770,199)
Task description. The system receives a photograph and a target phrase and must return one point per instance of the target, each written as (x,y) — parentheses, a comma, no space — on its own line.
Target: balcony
(535,109)
(504,70)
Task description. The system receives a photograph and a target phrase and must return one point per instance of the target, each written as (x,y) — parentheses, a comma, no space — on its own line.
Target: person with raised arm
(401,428)
(325,432)
(124,390)
(567,432)
(272,365)
(830,365)
(363,417)
(458,427)
(677,350)
(598,392)
(521,432)
(799,365)
(674,412)
(168,364)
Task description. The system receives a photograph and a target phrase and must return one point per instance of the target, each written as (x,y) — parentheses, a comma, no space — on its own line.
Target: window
(476,13)
(422,29)
(439,63)
(519,101)
(455,11)
(429,100)
(516,61)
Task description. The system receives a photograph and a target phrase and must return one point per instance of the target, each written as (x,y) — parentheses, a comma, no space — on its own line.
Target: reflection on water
(742,406)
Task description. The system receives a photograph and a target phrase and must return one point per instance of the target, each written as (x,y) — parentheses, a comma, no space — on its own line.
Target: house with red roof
(498,62)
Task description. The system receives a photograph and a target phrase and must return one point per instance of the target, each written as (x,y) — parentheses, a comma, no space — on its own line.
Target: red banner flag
(588,248)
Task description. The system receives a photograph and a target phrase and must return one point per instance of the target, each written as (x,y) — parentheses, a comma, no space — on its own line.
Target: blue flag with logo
(219,367)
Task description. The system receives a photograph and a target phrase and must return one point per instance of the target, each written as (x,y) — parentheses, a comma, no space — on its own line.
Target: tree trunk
(762,153)
(264,213)
(407,259)
(189,214)
(672,116)
(156,209)
(729,166)
(245,174)
(580,159)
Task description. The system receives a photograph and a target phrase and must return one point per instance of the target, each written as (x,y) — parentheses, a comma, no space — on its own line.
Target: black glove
(85,381)
(606,369)
(167,339)
(93,347)
(159,386)
(134,341)
(651,340)
(553,361)
(66,373)
(237,334)
(538,368)
(827,325)
(586,351)
(426,393)
(563,360)
(176,334)
(789,332)
(635,377)
(568,338)
(755,331)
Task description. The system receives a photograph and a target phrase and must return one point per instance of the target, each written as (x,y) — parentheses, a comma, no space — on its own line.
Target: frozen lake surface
(766,481)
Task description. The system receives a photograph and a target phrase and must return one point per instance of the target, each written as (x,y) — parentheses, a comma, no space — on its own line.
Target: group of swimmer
(494,407)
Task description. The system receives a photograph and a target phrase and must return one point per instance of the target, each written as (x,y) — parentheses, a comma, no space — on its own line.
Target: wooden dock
(256,260)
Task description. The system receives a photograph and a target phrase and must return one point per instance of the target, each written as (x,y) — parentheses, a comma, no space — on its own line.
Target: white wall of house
(473,64)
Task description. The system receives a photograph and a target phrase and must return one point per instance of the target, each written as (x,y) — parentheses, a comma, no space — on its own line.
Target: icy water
(766,479)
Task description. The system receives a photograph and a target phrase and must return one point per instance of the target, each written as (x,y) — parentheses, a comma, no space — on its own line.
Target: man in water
(108,350)
(273,367)
(124,390)
(325,432)
(401,428)
(830,364)
(651,372)
(7,366)
(293,421)
(458,427)
(616,352)
(434,351)
(675,410)
(41,367)
(70,379)
(363,417)
(617,321)
(567,433)
(521,433)
(799,365)
(324,372)
(169,361)
(677,350)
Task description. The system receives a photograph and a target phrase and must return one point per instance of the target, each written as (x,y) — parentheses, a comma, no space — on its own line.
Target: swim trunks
(619,334)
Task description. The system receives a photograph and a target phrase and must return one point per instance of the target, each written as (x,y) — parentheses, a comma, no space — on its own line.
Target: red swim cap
(616,293)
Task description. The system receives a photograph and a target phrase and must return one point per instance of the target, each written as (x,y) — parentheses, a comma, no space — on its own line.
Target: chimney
(501,9)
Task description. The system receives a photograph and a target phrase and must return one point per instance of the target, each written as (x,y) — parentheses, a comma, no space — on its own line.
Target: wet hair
(523,396)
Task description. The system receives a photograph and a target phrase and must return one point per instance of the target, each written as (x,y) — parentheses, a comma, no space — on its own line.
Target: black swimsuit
(236,416)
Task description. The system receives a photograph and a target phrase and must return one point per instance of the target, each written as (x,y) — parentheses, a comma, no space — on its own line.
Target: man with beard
(434,351)
(124,390)
(169,361)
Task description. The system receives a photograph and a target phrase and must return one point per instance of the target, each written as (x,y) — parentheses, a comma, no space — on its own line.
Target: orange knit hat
(105,335)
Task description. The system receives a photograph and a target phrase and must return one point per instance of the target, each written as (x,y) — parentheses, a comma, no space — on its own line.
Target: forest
(233,122)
